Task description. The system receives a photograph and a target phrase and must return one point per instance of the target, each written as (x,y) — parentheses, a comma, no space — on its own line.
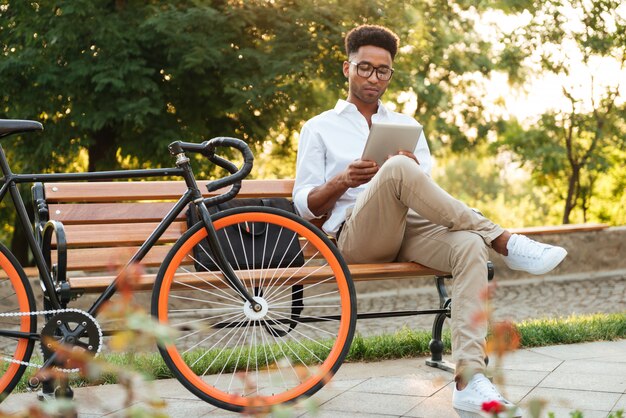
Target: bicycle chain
(51,312)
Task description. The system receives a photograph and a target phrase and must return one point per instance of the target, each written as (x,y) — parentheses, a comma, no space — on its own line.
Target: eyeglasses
(365,70)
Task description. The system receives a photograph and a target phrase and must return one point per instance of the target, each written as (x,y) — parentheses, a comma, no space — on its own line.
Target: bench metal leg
(436,347)
(436,343)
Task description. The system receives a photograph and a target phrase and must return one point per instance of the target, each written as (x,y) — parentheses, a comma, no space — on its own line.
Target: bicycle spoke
(243,339)
(207,338)
(239,352)
(201,300)
(305,347)
(308,288)
(308,325)
(226,295)
(193,321)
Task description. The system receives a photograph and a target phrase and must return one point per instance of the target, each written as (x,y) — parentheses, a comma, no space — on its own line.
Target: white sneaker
(531,256)
(480,390)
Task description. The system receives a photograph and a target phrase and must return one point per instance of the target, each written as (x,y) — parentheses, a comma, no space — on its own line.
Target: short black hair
(374,35)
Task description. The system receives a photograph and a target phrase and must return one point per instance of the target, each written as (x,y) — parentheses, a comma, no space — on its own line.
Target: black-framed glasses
(365,70)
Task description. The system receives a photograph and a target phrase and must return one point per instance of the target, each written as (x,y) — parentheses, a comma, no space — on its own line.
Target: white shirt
(329,142)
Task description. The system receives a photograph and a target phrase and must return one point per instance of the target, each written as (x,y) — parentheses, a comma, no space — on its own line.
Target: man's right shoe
(479,391)
(531,256)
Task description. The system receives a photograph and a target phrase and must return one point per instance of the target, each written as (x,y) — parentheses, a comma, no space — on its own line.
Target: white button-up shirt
(328,143)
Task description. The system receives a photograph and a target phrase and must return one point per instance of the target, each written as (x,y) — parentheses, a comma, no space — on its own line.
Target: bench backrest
(105,222)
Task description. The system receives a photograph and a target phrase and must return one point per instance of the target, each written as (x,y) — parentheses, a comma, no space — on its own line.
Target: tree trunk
(570,200)
(102,151)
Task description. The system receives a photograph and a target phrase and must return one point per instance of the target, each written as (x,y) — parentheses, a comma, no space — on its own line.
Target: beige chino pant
(404,215)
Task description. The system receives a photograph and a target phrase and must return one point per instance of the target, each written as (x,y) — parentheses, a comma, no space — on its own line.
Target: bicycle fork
(220,259)
(182,161)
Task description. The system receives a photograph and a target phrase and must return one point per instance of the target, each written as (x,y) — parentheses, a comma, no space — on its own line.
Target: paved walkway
(587,377)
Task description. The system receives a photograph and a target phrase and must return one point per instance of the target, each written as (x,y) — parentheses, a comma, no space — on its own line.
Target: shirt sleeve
(310,169)
(422,152)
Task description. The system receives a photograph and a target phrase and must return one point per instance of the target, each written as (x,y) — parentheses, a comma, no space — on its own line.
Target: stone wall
(590,254)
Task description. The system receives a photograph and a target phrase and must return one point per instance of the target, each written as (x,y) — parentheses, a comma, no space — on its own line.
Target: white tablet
(387,139)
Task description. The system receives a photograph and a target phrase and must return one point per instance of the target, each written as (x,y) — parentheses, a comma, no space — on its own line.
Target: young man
(396,212)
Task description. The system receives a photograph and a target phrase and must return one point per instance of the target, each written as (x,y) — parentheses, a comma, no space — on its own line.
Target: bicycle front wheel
(16,297)
(228,354)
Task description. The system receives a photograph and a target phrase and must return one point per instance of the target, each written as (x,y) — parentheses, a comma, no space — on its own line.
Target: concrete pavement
(588,377)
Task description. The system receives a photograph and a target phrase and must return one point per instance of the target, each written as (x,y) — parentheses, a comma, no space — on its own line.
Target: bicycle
(250,334)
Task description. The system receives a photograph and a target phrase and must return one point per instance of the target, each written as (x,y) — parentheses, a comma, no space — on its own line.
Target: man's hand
(359,172)
(322,198)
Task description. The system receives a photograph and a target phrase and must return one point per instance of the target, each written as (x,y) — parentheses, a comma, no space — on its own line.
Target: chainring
(73,328)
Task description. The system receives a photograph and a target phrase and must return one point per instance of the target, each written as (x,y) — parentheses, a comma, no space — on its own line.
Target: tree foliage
(570,149)
(114,81)
(125,78)
(121,78)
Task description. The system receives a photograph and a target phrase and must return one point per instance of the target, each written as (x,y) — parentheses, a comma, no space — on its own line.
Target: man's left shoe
(531,256)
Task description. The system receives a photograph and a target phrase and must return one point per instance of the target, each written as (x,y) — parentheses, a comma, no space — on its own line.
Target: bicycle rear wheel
(241,360)
(16,296)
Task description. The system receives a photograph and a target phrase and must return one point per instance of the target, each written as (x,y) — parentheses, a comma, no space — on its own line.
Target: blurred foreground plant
(504,337)
(139,331)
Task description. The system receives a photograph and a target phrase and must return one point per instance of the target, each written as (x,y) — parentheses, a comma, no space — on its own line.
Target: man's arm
(322,198)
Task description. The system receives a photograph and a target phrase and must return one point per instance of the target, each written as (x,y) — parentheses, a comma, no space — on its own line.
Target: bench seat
(303,275)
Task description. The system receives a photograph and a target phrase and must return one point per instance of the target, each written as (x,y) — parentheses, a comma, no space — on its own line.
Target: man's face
(367,90)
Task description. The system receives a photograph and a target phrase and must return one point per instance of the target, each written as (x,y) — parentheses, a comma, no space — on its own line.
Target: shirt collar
(343,106)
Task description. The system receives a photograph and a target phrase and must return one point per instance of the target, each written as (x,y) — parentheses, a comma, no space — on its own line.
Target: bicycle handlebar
(207,148)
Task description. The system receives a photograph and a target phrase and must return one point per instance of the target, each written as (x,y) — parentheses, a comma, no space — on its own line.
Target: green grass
(575,329)
(402,344)
(534,333)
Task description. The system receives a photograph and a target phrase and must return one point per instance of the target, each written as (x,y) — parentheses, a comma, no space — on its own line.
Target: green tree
(569,150)
(125,78)
(121,79)
(115,81)
(446,63)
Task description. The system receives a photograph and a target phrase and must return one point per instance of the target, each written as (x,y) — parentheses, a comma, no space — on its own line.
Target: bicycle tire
(16,295)
(259,378)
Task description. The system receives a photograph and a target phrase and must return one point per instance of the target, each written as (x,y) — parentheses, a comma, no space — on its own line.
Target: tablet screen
(387,139)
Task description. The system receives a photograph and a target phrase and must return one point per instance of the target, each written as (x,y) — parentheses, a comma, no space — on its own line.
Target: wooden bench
(105,222)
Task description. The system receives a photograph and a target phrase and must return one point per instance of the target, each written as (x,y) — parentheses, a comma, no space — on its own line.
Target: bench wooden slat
(555,229)
(99,235)
(107,213)
(110,258)
(310,274)
(110,213)
(154,190)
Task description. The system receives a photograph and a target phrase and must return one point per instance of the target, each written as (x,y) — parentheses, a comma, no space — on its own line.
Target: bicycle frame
(193,194)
